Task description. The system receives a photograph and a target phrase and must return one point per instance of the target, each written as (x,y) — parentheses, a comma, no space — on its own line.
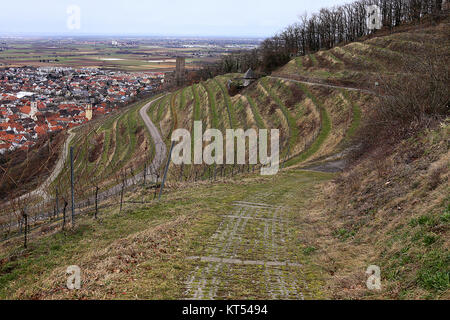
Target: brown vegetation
(22,170)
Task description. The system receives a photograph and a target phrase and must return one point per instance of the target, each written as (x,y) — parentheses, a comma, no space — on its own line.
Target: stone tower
(180,71)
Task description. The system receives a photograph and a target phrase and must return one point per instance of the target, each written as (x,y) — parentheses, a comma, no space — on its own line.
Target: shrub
(418,97)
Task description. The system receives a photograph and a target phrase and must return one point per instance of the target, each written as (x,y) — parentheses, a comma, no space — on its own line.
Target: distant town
(37,101)
(54,84)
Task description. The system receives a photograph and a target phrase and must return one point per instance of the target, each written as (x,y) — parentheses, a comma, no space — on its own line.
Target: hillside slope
(301,234)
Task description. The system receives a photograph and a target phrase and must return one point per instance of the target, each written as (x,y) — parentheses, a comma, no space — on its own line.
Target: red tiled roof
(25,109)
(41,130)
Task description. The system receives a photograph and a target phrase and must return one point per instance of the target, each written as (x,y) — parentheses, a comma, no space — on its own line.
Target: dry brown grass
(380,198)
(113,264)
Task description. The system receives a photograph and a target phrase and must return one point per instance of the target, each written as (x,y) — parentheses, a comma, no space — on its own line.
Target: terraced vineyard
(103,148)
(315,101)
(361,64)
(313,121)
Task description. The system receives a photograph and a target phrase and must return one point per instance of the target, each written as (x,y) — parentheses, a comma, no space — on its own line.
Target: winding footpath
(322,84)
(55,173)
(160,146)
(151,174)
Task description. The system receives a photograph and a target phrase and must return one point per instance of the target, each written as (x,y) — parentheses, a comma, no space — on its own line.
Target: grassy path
(253,252)
(197,111)
(148,252)
(256,115)
(356,116)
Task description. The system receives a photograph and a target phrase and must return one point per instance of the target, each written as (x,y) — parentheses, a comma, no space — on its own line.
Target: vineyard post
(165,170)
(56,202)
(121,192)
(64,213)
(25,218)
(96,201)
(71,186)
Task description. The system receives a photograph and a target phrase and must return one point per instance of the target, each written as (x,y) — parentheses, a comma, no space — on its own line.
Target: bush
(416,98)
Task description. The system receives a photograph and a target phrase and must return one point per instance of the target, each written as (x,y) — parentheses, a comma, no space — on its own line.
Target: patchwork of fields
(133,59)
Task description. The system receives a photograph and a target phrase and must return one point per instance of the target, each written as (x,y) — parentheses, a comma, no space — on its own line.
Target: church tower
(89,112)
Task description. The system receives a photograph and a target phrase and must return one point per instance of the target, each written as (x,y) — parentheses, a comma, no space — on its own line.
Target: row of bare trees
(323,30)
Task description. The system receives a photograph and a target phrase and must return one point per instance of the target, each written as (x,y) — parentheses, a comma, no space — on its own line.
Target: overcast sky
(238,18)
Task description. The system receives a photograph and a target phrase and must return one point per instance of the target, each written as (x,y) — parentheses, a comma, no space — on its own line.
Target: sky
(225,18)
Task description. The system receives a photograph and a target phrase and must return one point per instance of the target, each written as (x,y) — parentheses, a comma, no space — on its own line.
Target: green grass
(197,109)
(434,273)
(256,114)
(314,60)
(231,116)
(323,135)
(334,58)
(162,108)
(182,98)
(422,254)
(293,130)
(161,246)
(212,106)
(357,114)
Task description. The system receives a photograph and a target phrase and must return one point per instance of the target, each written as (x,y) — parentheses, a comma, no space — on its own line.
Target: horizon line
(125,35)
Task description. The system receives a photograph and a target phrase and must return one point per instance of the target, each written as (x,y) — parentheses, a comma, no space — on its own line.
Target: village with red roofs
(37,101)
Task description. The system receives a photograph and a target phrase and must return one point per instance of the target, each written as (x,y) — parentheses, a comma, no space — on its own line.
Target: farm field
(137,58)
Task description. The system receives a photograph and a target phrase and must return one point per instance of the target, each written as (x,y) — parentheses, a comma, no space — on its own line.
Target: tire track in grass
(249,243)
